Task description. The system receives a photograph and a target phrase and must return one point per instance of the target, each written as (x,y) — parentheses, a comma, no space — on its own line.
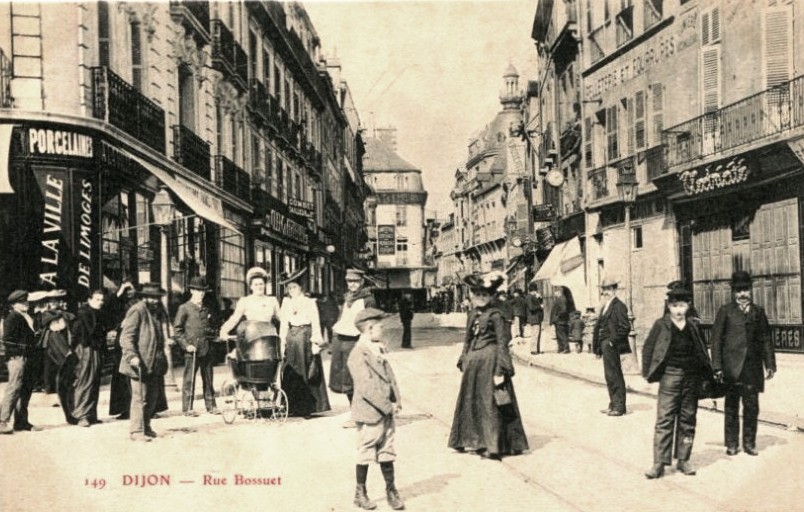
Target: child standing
(375,403)
(589,318)
(576,329)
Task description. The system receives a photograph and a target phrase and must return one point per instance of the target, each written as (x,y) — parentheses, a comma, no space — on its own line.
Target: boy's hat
(368,314)
(679,295)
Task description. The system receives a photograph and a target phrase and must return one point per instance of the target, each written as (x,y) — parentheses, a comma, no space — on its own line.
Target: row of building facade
(699,104)
(230,106)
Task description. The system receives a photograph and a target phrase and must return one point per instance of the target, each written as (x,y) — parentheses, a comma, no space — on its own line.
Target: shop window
(232,260)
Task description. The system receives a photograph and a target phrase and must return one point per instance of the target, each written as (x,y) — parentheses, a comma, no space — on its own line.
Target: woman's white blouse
(300,311)
(260,308)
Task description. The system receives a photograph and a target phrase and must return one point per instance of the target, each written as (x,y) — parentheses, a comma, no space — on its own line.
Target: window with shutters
(288,184)
(277,85)
(104,41)
(625,25)
(630,126)
(252,54)
(612,133)
(588,142)
(257,178)
(186,97)
(710,26)
(657,112)
(269,186)
(639,120)
(710,88)
(778,60)
(653,11)
(280,181)
(136,55)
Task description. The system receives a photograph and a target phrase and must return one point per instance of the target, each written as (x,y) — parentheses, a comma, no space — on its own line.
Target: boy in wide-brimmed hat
(193,331)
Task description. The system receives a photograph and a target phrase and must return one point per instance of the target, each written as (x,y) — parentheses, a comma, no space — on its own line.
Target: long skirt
(478,422)
(305,395)
(120,391)
(340,380)
(65,387)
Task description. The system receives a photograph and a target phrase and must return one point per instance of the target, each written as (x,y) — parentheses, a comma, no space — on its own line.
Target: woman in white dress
(258,309)
(300,334)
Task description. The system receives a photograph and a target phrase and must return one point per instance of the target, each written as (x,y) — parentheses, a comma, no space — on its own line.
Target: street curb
(788,424)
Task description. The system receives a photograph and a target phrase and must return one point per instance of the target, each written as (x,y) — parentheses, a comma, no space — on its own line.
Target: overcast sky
(431,69)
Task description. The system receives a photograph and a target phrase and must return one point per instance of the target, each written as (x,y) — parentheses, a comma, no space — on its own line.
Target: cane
(192,385)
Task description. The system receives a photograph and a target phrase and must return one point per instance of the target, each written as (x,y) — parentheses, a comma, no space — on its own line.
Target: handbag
(501,396)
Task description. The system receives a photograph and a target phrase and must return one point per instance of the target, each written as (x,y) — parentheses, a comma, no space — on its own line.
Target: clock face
(555,178)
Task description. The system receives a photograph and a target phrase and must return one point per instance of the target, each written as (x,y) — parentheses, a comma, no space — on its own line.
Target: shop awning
(5,156)
(198,200)
(564,267)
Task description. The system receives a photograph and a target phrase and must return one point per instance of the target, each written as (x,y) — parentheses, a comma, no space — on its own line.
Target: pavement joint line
(788,426)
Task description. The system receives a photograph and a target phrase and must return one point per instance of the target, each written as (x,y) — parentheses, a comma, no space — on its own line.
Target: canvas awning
(564,267)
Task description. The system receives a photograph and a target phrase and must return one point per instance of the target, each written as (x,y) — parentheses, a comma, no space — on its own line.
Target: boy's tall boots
(361,496)
(391,493)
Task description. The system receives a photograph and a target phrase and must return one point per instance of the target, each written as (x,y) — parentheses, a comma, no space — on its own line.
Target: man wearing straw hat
(142,339)
(192,325)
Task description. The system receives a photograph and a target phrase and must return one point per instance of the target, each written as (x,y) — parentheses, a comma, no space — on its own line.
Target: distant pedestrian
(741,347)
(142,339)
(406,317)
(559,319)
(376,403)
(518,310)
(610,340)
(194,326)
(675,356)
(534,316)
(89,343)
(590,319)
(487,415)
(19,343)
(576,328)
(505,308)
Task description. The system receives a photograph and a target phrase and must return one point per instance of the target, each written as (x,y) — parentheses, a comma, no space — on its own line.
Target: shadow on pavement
(433,485)
(406,419)
(537,442)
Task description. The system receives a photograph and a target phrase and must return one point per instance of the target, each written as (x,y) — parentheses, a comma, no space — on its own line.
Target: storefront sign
(715,176)
(303,208)
(59,143)
(280,224)
(401,197)
(386,240)
(786,338)
(543,213)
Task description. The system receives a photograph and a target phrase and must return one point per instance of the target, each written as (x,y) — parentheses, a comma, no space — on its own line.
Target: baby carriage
(255,365)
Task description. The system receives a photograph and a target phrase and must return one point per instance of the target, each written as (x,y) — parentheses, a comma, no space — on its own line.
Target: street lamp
(164,212)
(627,185)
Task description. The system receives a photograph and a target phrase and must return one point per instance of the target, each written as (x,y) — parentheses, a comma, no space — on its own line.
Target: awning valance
(198,200)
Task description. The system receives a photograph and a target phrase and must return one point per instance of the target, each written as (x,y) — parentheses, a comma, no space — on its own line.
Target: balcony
(294,134)
(194,16)
(598,181)
(6,100)
(258,100)
(232,178)
(228,56)
(761,116)
(122,105)
(191,151)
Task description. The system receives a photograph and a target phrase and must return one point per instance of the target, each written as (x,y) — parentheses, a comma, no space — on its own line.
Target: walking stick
(192,385)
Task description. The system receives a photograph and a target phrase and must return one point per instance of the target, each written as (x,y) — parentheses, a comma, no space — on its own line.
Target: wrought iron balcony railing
(232,178)
(194,16)
(122,105)
(771,112)
(258,100)
(6,100)
(228,56)
(191,151)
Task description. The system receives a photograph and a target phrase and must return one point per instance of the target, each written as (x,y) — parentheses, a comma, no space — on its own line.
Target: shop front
(744,213)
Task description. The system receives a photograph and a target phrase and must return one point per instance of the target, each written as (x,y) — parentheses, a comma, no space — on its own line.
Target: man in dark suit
(559,319)
(19,342)
(406,316)
(741,345)
(534,316)
(610,340)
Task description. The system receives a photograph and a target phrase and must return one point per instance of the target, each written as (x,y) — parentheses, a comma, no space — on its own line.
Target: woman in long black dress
(482,421)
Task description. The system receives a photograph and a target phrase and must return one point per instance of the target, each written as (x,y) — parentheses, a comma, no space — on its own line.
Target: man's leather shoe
(5,428)
(732,450)
(27,427)
(684,467)
(139,436)
(616,413)
(150,433)
(657,471)
(83,422)
(361,498)
(750,450)
(394,500)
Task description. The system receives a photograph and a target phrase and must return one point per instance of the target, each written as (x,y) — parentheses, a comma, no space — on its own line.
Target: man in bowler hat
(192,327)
(741,346)
(610,340)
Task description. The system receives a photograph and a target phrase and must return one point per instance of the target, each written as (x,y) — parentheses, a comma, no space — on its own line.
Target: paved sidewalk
(781,404)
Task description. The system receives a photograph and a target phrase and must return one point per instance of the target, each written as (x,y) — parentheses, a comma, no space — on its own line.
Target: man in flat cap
(741,345)
(19,341)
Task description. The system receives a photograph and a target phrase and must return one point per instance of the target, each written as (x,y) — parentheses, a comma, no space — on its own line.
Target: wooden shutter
(630,120)
(778,45)
(588,142)
(136,55)
(612,133)
(710,26)
(657,112)
(710,78)
(639,120)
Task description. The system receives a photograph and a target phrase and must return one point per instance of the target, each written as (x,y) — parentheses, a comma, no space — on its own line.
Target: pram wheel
(229,405)
(279,409)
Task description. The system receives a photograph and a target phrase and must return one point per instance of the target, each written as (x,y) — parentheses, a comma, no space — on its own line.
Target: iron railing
(232,178)
(258,100)
(122,105)
(191,151)
(228,56)
(756,117)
